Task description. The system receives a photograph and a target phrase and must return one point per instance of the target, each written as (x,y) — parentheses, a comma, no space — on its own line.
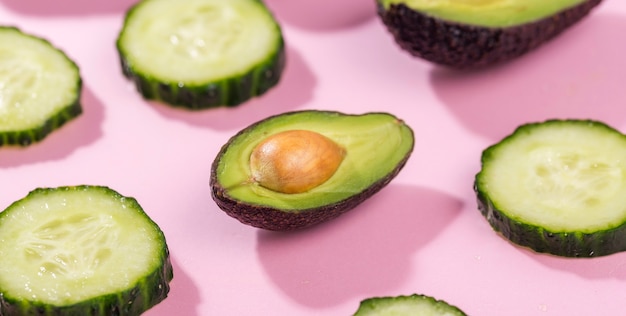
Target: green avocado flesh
(489,13)
(375,144)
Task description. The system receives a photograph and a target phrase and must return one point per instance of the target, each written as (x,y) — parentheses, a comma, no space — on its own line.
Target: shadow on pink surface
(580,74)
(294,89)
(366,250)
(605,267)
(68,7)
(182,298)
(322,15)
(79,132)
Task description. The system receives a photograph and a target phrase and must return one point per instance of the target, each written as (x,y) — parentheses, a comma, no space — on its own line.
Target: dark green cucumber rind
(275,219)
(134,301)
(371,304)
(141,296)
(231,91)
(458,45)
(539,239)
(36,134)
(55,121)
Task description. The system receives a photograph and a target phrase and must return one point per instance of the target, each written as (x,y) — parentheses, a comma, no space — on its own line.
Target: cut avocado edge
(274,219)
(461,45)
(260,207)
(487,13)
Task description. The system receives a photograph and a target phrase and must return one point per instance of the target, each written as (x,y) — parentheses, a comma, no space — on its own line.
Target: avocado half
(374,147)
(477,33)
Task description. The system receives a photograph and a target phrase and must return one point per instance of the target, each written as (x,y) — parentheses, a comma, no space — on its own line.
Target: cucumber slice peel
(40,88)
(82,250)
(201,53)
(409,305)
(558,187)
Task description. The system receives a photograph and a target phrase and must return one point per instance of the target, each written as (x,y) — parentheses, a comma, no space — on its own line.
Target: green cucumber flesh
(558,187)
(416,304)
(81,250)
(201,53)
(40,88)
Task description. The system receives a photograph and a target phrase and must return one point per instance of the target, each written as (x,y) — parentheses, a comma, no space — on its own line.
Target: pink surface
(421,234)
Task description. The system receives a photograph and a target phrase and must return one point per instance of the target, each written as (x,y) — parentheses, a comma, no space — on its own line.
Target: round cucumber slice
(81,250)
(557,187)
(201,53)
(40,88)
(410,305)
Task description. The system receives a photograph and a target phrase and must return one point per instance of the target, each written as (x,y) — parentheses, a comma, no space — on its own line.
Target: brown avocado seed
(295,161)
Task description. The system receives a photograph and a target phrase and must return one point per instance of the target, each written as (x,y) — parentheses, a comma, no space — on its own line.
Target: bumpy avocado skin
(275,219)
(458,45)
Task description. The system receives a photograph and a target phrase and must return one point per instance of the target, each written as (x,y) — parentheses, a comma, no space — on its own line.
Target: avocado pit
(295,161)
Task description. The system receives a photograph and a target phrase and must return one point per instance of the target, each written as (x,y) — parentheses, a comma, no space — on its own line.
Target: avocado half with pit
(298,169)
(476,33)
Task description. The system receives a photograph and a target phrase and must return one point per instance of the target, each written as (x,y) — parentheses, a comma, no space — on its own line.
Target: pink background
(421,234)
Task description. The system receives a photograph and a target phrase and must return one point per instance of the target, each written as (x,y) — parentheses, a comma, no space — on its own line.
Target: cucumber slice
(557,187)
(40,88)
(416,304)
(81,250)
(200,54)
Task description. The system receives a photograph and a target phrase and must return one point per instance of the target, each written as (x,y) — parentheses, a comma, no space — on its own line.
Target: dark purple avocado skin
(274,219)
(461,46)
(279,220)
